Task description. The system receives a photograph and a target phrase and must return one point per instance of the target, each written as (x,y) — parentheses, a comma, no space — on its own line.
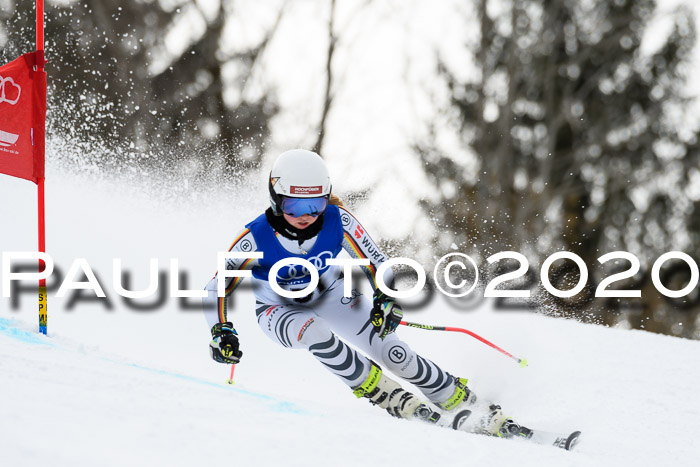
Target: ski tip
(572,440)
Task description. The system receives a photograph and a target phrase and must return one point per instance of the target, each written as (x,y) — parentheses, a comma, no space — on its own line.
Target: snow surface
(122,386)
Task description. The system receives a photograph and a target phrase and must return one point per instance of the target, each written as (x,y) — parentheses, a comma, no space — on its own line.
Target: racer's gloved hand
(224,344)
(386,314)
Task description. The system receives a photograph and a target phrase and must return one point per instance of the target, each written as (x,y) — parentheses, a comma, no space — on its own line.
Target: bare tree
(115,79)
(328,95)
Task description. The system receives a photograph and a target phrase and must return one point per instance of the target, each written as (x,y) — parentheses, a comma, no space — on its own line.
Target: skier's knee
(312,331)
(396,356)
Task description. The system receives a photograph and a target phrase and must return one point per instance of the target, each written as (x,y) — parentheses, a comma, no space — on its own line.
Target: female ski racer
(306,221)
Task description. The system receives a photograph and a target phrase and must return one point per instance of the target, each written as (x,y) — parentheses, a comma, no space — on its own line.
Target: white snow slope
(120,386)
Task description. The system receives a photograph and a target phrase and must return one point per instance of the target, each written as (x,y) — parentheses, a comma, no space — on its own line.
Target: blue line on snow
(7,329)
(278,405)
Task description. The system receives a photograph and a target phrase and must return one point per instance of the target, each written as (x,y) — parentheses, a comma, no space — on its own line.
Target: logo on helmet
(306,190)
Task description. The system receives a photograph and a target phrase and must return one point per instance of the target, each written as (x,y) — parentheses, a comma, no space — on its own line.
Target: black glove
(224,344)
(386,314)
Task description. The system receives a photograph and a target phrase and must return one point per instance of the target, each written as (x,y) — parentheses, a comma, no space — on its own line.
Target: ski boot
(388,394)
(458,408)
(495,423)
(475,417)
(510,429)
(462,398)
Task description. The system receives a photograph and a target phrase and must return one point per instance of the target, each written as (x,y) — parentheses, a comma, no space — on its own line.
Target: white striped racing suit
(323,322)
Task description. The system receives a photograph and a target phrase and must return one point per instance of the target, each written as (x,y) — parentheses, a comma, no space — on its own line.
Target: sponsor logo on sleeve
(246,245)
(345,219)
(397,354)
(372,250)
(305,190)
(359,232)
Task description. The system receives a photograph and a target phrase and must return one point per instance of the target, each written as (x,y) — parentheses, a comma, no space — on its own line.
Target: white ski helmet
(298,173)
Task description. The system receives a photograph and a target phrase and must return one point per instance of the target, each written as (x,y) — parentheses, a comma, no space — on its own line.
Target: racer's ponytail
(334,199)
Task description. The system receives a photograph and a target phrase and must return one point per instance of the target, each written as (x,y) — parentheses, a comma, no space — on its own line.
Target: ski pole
(230,380)
(521,361)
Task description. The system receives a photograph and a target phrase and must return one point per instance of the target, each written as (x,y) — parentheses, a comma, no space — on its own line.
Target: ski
(558,440)
(510,430)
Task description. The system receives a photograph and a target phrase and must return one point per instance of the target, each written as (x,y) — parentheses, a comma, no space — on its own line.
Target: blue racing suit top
(329,242)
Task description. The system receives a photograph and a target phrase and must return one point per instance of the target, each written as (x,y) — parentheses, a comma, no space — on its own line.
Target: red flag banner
(22,117)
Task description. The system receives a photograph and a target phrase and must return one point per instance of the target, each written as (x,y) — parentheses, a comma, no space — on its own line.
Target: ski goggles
(297,207)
